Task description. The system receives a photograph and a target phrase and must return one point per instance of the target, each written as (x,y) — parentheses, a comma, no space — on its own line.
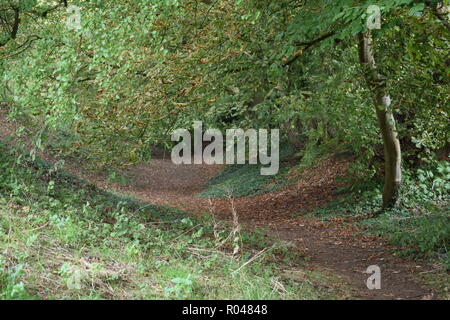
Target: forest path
(336,245)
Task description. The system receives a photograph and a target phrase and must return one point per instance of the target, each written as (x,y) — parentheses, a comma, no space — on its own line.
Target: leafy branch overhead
(132,72)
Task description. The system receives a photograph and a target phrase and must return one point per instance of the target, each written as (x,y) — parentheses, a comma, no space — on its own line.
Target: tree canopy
(114,88)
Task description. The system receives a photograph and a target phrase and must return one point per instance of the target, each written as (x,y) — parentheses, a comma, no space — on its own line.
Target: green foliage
(425,232)
(246,180)
(243,181)
(11,288)
(109,92)
(429,183)
(182,288)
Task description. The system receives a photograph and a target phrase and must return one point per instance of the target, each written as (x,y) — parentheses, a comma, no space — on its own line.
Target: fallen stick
(256,256)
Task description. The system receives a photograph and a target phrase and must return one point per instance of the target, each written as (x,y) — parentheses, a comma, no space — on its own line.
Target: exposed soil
(336,245)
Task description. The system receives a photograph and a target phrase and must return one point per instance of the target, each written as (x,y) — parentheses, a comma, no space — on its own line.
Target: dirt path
(335,245)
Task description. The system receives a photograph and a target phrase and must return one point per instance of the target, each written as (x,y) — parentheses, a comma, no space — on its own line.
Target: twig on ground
(256,256)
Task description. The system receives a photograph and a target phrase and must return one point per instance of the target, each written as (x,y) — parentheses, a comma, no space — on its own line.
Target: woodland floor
(336,245)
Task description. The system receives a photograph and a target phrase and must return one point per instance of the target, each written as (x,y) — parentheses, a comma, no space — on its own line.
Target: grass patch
(246,180)
(63,238)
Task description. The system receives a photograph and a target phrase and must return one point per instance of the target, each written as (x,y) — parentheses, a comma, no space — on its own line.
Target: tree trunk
(386,122)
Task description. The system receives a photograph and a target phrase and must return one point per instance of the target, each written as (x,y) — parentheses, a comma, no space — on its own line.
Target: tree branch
(306,45)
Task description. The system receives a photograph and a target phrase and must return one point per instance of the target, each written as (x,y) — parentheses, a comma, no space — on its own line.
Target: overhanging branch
(305,46)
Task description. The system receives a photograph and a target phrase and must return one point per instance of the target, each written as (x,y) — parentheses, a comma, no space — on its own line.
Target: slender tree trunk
(16,24)
(386,122)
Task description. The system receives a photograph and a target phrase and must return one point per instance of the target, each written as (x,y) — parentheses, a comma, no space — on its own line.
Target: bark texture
(386,122)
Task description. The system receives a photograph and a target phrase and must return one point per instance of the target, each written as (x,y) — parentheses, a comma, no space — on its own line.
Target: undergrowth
(246,180)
